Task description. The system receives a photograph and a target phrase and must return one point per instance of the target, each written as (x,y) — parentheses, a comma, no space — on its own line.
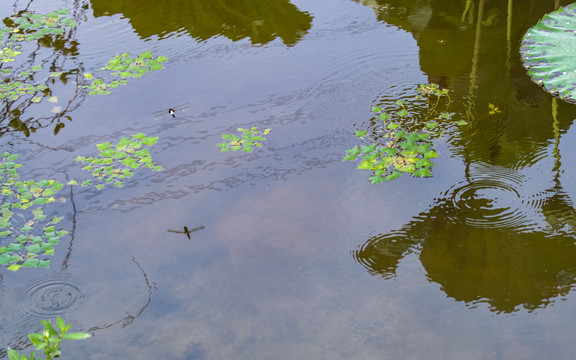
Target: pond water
(301,257)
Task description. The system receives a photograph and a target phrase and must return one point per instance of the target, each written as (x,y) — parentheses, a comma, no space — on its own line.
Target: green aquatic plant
(7,55)
(549,52)
(121,67)
(402,142)
(27,27)
(22,244)
(248,139)
(16,88)
(48,341)
(27,235)
(115,163)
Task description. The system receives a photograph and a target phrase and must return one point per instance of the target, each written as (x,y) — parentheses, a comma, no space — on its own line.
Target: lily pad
(549,53)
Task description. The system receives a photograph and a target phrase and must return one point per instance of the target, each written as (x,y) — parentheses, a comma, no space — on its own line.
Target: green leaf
(49,328)
(367,149)
(130,162)
(376,108)
(377,179)
(384,116)
(549,52)
(150,140)
(402,113)
(14,355)
(36,339)
(406,168)
(360,133)
(103,146)
(33,248)
(45,263)
(461,122)
(76,336)
(5,259)
(354,151)
(430,154)
(60,324)
(30,263)
(365,165)
(424,172)
(394,175)
(14,267)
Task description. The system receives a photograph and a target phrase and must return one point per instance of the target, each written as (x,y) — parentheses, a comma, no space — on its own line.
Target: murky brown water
(300,256)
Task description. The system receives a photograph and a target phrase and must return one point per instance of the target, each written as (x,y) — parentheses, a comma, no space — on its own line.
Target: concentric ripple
(381,254)
(49,297)
(491,198)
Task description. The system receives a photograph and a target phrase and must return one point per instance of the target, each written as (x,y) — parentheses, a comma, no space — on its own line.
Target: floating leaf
(549,52)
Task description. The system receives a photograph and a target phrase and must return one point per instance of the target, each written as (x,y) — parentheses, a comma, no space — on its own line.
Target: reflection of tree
(260,20)
(501,266)
(471,48)
(476,246)
(53,52)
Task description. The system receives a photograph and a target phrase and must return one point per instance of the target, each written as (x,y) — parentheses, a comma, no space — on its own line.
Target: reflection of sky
(271,276)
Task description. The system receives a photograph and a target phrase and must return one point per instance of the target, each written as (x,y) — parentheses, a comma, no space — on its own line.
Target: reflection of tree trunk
(556,4)
(556,126)
(474,71)
(509,39)
(468,8)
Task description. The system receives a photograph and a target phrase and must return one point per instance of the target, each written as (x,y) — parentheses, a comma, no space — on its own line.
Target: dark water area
(300,256)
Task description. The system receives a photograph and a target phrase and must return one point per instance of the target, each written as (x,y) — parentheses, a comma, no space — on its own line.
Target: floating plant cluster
(248,139)
(402,141)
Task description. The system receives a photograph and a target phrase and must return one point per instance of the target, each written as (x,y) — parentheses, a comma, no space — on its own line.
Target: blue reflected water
(300,256)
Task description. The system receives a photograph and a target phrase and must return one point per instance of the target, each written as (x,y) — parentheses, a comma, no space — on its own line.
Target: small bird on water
(171,112)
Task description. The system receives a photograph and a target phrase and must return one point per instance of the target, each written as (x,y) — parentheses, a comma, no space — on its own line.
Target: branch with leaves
(49,341)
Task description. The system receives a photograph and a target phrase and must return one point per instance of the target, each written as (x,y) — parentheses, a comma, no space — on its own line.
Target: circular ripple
(381,254)
(491,199)
(49,297)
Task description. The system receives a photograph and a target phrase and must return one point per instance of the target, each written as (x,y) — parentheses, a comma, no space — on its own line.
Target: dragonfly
(172,111)
(188,231)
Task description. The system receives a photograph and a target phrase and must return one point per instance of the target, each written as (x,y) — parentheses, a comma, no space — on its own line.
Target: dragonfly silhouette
(188,231)
(172,111)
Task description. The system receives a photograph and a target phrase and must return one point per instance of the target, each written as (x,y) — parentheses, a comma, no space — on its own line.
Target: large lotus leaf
(549,52)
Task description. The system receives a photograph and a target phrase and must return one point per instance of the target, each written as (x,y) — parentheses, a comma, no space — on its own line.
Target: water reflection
(54,52)
(261,21)
(481,65)
(62,293)
(477,251)
(489,238)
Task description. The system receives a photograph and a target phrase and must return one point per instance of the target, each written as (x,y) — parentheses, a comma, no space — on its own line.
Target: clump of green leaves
(49,341)
(26,27)
(248,139)
(115,163)
(15,89)
(27,246)
(7,55)
(121,67)
(27,235)
(402,142)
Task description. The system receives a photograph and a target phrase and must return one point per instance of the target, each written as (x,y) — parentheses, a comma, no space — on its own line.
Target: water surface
(300,256)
